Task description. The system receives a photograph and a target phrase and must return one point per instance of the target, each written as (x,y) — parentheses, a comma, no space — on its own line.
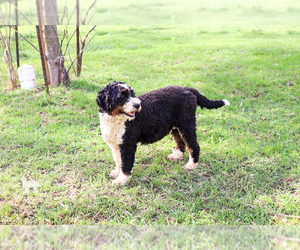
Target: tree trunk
(55,58)
(50,12)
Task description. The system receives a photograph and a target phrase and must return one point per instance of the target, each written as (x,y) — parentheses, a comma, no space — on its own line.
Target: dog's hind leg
(179,146)
(193,155)
(189,136)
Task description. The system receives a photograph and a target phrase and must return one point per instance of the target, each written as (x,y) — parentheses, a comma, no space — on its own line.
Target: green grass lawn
(249,164)
(167,12)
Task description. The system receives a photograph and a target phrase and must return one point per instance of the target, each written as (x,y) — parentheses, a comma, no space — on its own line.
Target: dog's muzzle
(131,114)
(133,106)
(137,106)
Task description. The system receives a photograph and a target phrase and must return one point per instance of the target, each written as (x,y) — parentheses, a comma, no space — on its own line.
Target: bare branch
(25,39)
(3,18)
(9,12)
(2,40)
(91,17)
(9,36)
(68,48)
(9,61)
(4,46)
(62,40)
(87,12)
(21,13)
(71,16)
(82,50)
(64,14)
(85,37)
(43,58)
(69,42)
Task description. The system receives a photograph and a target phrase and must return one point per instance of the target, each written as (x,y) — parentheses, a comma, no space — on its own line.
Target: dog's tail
(204,102)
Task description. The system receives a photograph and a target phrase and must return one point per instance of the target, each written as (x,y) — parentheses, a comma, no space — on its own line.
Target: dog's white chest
(112,129)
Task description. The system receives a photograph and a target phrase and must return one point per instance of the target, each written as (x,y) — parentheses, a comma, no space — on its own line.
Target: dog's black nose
(137,106)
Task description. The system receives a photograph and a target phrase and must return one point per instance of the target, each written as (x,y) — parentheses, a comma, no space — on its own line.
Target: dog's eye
(124,93)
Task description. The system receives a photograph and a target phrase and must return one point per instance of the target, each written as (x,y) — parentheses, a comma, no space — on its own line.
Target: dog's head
(118,99)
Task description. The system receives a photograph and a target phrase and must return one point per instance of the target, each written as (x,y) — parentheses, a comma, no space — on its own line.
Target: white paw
(226,102)
(114,173)
(191,165)
(177,155)
(122,179)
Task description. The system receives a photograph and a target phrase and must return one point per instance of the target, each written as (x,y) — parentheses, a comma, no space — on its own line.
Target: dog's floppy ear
(101,101)
(131,91)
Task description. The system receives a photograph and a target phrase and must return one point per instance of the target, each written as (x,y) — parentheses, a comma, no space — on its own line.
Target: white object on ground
(27,185)
(26,76)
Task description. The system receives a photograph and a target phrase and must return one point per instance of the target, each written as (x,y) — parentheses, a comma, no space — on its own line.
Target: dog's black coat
(170,109)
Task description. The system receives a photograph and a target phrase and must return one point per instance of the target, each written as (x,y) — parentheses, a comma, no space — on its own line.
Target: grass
(169,12)
(149,237)
(249,163)
(248,172)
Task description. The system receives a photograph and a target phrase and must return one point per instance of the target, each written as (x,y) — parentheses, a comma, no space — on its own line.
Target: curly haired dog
(126,120)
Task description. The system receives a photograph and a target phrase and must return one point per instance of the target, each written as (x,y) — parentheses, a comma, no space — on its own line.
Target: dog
(126,120)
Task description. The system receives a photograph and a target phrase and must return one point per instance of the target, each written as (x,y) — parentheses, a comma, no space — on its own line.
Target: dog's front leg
(127,157)
(117,158)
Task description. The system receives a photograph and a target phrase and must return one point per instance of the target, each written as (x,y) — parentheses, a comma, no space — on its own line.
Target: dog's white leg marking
(122,179)
(179,145)
(117,158)
(191,165)
(112,129)
(177,155)
(226,102)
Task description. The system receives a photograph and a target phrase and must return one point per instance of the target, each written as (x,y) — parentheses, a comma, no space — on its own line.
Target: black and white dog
(126,120)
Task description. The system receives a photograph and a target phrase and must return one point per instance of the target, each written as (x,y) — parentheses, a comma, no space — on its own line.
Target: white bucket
(26,76)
